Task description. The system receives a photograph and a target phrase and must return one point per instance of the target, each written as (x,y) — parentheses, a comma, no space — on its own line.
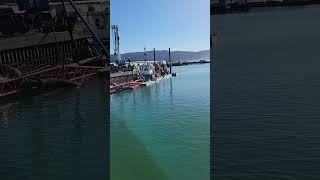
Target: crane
(116,43)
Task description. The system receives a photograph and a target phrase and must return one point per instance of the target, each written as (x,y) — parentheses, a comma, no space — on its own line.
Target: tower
(115,30)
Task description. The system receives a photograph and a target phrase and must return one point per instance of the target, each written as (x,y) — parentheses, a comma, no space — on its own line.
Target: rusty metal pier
(36,59)
(32,66)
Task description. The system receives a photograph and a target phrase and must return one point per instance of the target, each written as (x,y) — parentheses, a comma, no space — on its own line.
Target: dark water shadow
(130,158)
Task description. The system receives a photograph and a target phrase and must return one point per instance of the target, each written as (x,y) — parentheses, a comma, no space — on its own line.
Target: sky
(182,25)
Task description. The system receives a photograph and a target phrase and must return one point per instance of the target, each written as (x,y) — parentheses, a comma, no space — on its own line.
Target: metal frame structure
(116,41)
(49,62)
(63,73)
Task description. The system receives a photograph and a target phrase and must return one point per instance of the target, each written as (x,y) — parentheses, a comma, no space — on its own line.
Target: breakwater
(180,63)
(236,7)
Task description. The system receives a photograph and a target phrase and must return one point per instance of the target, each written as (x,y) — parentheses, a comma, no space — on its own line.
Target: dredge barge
(131,75)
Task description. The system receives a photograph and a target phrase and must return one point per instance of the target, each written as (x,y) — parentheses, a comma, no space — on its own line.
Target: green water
(162,131)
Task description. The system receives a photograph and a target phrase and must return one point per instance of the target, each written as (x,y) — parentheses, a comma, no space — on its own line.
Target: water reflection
(171,93)
(55,136)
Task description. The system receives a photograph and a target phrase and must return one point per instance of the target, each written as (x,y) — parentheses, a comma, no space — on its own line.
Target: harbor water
(266,100)
(61,134)
(162,131)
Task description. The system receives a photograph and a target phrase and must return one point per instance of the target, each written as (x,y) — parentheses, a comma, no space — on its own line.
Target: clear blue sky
(178,24)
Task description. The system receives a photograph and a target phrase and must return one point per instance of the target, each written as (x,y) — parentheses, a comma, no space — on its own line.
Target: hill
(164,55)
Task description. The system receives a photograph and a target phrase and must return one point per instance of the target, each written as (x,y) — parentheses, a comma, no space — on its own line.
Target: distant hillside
(164,55)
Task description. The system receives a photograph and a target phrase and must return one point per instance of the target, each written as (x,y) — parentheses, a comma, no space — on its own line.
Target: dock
(36,59)
(123,76)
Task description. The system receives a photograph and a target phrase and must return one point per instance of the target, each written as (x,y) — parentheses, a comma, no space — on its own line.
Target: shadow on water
(136,164)
(61,134)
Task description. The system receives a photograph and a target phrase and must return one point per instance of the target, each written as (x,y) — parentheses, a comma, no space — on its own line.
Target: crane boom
(95,37)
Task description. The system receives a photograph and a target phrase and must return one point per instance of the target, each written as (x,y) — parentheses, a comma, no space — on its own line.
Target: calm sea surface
(62,134)
(163,131)
(266,95)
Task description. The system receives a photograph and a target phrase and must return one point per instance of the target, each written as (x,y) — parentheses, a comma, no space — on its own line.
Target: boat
(149,83)
(152,82)
(168,76)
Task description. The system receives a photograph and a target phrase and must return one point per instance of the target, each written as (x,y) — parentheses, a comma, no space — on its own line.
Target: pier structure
(71,57)
(73,75)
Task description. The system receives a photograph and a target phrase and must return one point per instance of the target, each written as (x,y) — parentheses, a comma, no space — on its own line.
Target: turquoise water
(163,131)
